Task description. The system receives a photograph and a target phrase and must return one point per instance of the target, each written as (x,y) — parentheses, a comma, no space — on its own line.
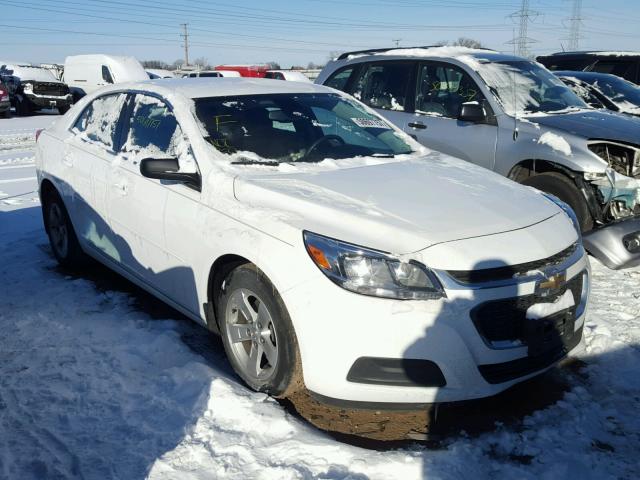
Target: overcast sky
(294,32)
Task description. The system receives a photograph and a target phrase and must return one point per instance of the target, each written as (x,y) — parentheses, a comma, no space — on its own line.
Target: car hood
(398,207)
(594,124)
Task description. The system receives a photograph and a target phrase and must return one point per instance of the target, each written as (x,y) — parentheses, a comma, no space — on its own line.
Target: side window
(619,68)
(106,74)
(340,79)
(99,120)
(384,85)
(153,131)
(442,89)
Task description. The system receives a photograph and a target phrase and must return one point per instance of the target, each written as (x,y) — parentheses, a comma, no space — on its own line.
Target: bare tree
(467,42)
(273,65)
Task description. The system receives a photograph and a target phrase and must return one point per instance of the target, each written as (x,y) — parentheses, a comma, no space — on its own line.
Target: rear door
(89,156)
(386,86)
(441,89)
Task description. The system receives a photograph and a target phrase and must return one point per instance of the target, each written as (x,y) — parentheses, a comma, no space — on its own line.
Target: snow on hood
(399,207)
(33,73)
(594,124)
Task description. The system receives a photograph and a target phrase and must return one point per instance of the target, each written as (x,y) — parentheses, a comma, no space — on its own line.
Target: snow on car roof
(222,87)
(438,52)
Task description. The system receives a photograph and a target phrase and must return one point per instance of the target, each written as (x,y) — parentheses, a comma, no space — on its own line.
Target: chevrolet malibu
(331,252)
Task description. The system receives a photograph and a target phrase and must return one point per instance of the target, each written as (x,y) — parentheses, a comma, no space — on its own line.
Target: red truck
(256,71)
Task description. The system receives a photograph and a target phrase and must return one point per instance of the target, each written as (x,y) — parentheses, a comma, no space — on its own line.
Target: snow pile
(556,142)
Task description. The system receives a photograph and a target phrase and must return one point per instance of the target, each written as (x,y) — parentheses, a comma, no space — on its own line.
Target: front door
(139,204)
(441,89)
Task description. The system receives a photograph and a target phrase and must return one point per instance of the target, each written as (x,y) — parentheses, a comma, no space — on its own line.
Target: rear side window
(152,128)
(340,79)
(210,74)
(566,64)
(99,120)
(106,74)
(619,68)
(384,85)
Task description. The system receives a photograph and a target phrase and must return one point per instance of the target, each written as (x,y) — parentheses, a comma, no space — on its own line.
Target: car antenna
(515,107)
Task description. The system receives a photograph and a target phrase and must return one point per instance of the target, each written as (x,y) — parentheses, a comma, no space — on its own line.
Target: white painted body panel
(437,210)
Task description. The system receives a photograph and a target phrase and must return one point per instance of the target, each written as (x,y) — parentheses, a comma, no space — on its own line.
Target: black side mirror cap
(168,169)
(472,112)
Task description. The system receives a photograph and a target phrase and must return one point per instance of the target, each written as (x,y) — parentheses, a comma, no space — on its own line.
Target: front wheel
(257,333)
(62,237)
(566,190)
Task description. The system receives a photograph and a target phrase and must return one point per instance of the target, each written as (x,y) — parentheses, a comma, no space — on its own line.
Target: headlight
(568,210)
(370,272)
(27,87)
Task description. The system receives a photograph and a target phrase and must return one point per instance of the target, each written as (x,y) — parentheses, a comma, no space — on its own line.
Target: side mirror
(472,112)
(168,169)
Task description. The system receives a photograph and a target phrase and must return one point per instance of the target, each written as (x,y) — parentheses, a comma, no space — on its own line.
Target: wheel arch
(46,188)
(219,270)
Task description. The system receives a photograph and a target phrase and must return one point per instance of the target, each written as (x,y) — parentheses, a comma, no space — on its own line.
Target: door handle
(121,187)
(418,125)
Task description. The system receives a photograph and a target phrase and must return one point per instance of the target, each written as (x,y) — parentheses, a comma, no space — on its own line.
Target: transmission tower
(522,41)
(185,38)
(575,24)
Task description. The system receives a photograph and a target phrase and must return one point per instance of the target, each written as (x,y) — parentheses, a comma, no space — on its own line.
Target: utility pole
(185,39)
(525,15)
(576,23)
(397,41)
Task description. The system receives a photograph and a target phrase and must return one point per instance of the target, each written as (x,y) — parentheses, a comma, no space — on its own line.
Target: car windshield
(525,87)
(297,127)
(617,89)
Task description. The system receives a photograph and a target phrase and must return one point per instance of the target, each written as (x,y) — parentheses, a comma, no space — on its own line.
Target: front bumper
(334,334)
(616,244)
(46,101)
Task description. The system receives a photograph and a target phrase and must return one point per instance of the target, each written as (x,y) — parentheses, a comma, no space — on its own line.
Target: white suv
(330,250)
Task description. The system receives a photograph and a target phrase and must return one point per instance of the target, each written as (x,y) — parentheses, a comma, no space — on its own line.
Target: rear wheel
(565,189)
(62,237)
(257,333)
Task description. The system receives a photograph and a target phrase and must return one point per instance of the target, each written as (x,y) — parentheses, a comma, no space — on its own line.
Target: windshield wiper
(251,161)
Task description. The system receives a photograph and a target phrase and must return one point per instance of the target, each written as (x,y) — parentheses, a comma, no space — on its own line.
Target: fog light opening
(632,242)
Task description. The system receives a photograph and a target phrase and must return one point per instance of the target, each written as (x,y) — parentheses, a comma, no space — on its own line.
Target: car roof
(220,87)
(586,53)
(431,52)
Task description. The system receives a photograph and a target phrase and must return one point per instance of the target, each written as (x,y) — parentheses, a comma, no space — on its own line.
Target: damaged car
(35,88)
(512,116)
(288,217)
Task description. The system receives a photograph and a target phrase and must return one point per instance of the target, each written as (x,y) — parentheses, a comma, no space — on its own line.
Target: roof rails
(379,50)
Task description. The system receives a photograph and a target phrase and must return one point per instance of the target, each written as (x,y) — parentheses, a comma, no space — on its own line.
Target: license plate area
(549,333)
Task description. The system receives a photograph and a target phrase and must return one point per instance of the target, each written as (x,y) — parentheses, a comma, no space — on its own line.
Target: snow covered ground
(98,381)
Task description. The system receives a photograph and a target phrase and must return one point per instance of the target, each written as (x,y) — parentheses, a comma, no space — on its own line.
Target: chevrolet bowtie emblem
(551,283)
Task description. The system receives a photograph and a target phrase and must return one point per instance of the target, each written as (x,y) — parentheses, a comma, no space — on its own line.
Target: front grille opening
(510,271)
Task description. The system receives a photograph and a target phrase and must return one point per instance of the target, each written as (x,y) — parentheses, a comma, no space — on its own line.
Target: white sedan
(329,249)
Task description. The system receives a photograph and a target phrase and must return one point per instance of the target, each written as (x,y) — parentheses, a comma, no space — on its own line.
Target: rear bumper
(617,244)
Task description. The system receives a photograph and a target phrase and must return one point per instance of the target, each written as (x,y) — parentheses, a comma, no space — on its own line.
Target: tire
(22,108)
(62,237)
(565,189)
(257,332)
(7,113)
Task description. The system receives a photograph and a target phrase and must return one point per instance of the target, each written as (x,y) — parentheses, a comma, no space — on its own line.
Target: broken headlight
(624,159)
(371,272)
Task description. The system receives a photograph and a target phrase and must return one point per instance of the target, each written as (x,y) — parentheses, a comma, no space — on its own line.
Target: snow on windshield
(524,87)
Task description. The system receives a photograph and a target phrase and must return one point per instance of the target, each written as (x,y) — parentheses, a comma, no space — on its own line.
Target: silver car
(513,116)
